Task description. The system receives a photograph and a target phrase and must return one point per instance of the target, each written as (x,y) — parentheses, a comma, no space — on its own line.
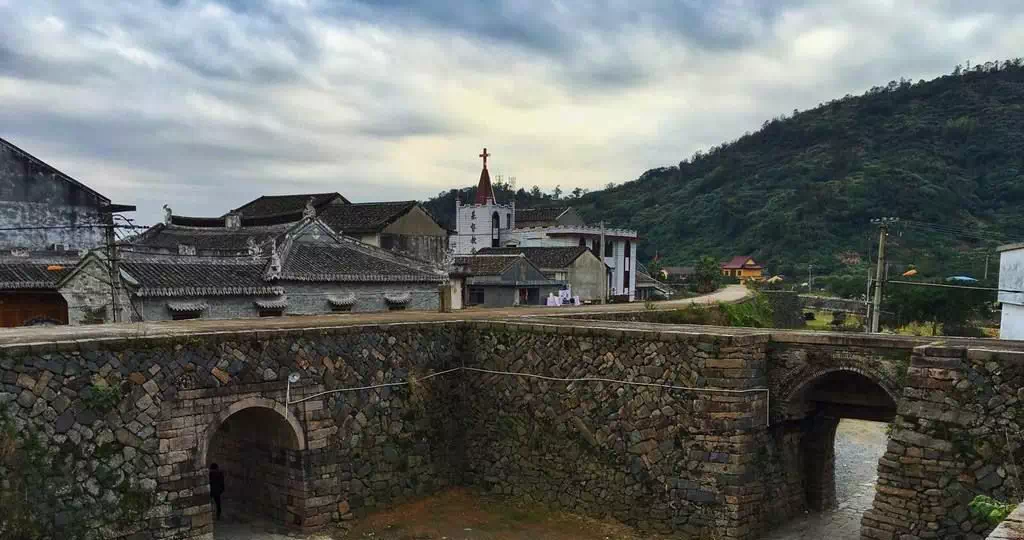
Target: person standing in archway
(216,485)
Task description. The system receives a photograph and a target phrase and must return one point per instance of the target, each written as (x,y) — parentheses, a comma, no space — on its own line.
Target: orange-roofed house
(743,268)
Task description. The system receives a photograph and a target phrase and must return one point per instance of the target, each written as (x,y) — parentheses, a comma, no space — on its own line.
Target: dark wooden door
(21,308)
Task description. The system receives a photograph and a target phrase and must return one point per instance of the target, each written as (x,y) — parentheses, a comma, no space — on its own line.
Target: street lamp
(292,379)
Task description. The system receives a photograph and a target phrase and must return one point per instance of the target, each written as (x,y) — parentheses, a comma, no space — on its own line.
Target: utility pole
(114,257)
(986,265)
(883,232)
(600,255)
(810,278)
(867,302)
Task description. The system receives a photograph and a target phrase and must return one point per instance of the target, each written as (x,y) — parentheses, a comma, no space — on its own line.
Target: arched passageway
(260,452)
(820,404)
(834,419)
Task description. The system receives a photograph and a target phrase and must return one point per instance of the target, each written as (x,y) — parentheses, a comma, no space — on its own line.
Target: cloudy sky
(205,104)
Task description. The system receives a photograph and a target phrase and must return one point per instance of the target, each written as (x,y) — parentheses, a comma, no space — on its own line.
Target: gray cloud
(204,104)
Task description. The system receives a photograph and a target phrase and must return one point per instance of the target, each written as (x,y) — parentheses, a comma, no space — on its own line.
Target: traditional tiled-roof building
(501,281)
(401,226)
(228,267)
(576,266)
(46,217)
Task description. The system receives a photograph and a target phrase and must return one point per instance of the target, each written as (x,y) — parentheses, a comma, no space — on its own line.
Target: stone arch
(803,383)
(248,403)
(815,403)
(260,448)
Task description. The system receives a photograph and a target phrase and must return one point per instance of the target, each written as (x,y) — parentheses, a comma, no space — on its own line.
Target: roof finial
(485,155)
(167,215)
(309,211)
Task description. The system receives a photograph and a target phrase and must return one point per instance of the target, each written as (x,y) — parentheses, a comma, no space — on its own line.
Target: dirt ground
(465,515)
(458,514)
(462,514)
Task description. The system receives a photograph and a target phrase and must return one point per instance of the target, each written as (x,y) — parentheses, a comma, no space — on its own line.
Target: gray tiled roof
(351,261)
(539,217)
(363,217)
(484,265)
(542,257)
(269,205)
(208,238)
(198,276)
(32,272)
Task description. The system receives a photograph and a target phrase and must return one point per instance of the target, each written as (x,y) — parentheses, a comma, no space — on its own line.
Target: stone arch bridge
(669,428)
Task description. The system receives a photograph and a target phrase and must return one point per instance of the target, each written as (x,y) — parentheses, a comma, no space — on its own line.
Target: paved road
(731,293)
(858,446)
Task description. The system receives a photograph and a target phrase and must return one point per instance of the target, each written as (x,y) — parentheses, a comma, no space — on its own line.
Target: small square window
(185,315)
(396,307)
(341,309)
(271,312)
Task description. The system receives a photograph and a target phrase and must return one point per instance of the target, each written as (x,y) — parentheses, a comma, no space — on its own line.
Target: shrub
(754,313)
(991,510)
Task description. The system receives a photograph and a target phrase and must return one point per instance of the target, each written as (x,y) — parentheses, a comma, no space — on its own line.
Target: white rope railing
(766,391)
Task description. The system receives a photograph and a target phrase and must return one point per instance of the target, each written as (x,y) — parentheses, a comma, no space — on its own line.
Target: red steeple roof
(484,190)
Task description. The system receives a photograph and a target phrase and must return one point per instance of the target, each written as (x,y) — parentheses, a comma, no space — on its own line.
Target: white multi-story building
(1011,279)
(488,223)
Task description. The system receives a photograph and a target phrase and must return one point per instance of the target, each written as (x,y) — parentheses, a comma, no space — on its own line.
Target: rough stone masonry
(127,425)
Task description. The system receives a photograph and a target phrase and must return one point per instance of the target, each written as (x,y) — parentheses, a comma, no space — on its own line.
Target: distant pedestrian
(216,485)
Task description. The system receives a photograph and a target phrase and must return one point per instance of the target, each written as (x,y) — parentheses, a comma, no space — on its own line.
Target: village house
(47,218)
(234,267)
(743,268)
(576,266)
(401,226)
(488,223)
(501,281)
(1011,280)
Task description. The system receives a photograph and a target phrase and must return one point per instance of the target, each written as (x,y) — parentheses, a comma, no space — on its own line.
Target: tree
(953,309)
(577,192)
(707,276)
(536,192)
(844,286)
(557,193)
(654,267)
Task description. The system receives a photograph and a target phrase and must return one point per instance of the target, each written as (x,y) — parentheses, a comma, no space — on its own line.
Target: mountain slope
(948,152)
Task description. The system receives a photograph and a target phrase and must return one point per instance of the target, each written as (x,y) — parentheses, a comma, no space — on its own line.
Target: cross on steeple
(485,155)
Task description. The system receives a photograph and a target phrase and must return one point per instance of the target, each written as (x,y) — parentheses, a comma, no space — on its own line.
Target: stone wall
(131,424)
(1012,528)
(128,421)
(661,459)
(957,434)
(786,309)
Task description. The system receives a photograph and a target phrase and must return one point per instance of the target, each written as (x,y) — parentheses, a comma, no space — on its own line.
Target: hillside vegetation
(946,156)
(948,153)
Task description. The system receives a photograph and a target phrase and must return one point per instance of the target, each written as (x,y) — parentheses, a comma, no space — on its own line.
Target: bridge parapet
(617,412)
(958,433)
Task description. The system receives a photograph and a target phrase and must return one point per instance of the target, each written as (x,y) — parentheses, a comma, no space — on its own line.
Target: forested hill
(948,153)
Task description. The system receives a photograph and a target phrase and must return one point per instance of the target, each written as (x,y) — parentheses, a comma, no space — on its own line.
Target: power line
(65,227)
(947,286)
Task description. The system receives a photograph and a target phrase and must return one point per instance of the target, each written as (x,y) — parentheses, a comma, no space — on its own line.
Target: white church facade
(488,223)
